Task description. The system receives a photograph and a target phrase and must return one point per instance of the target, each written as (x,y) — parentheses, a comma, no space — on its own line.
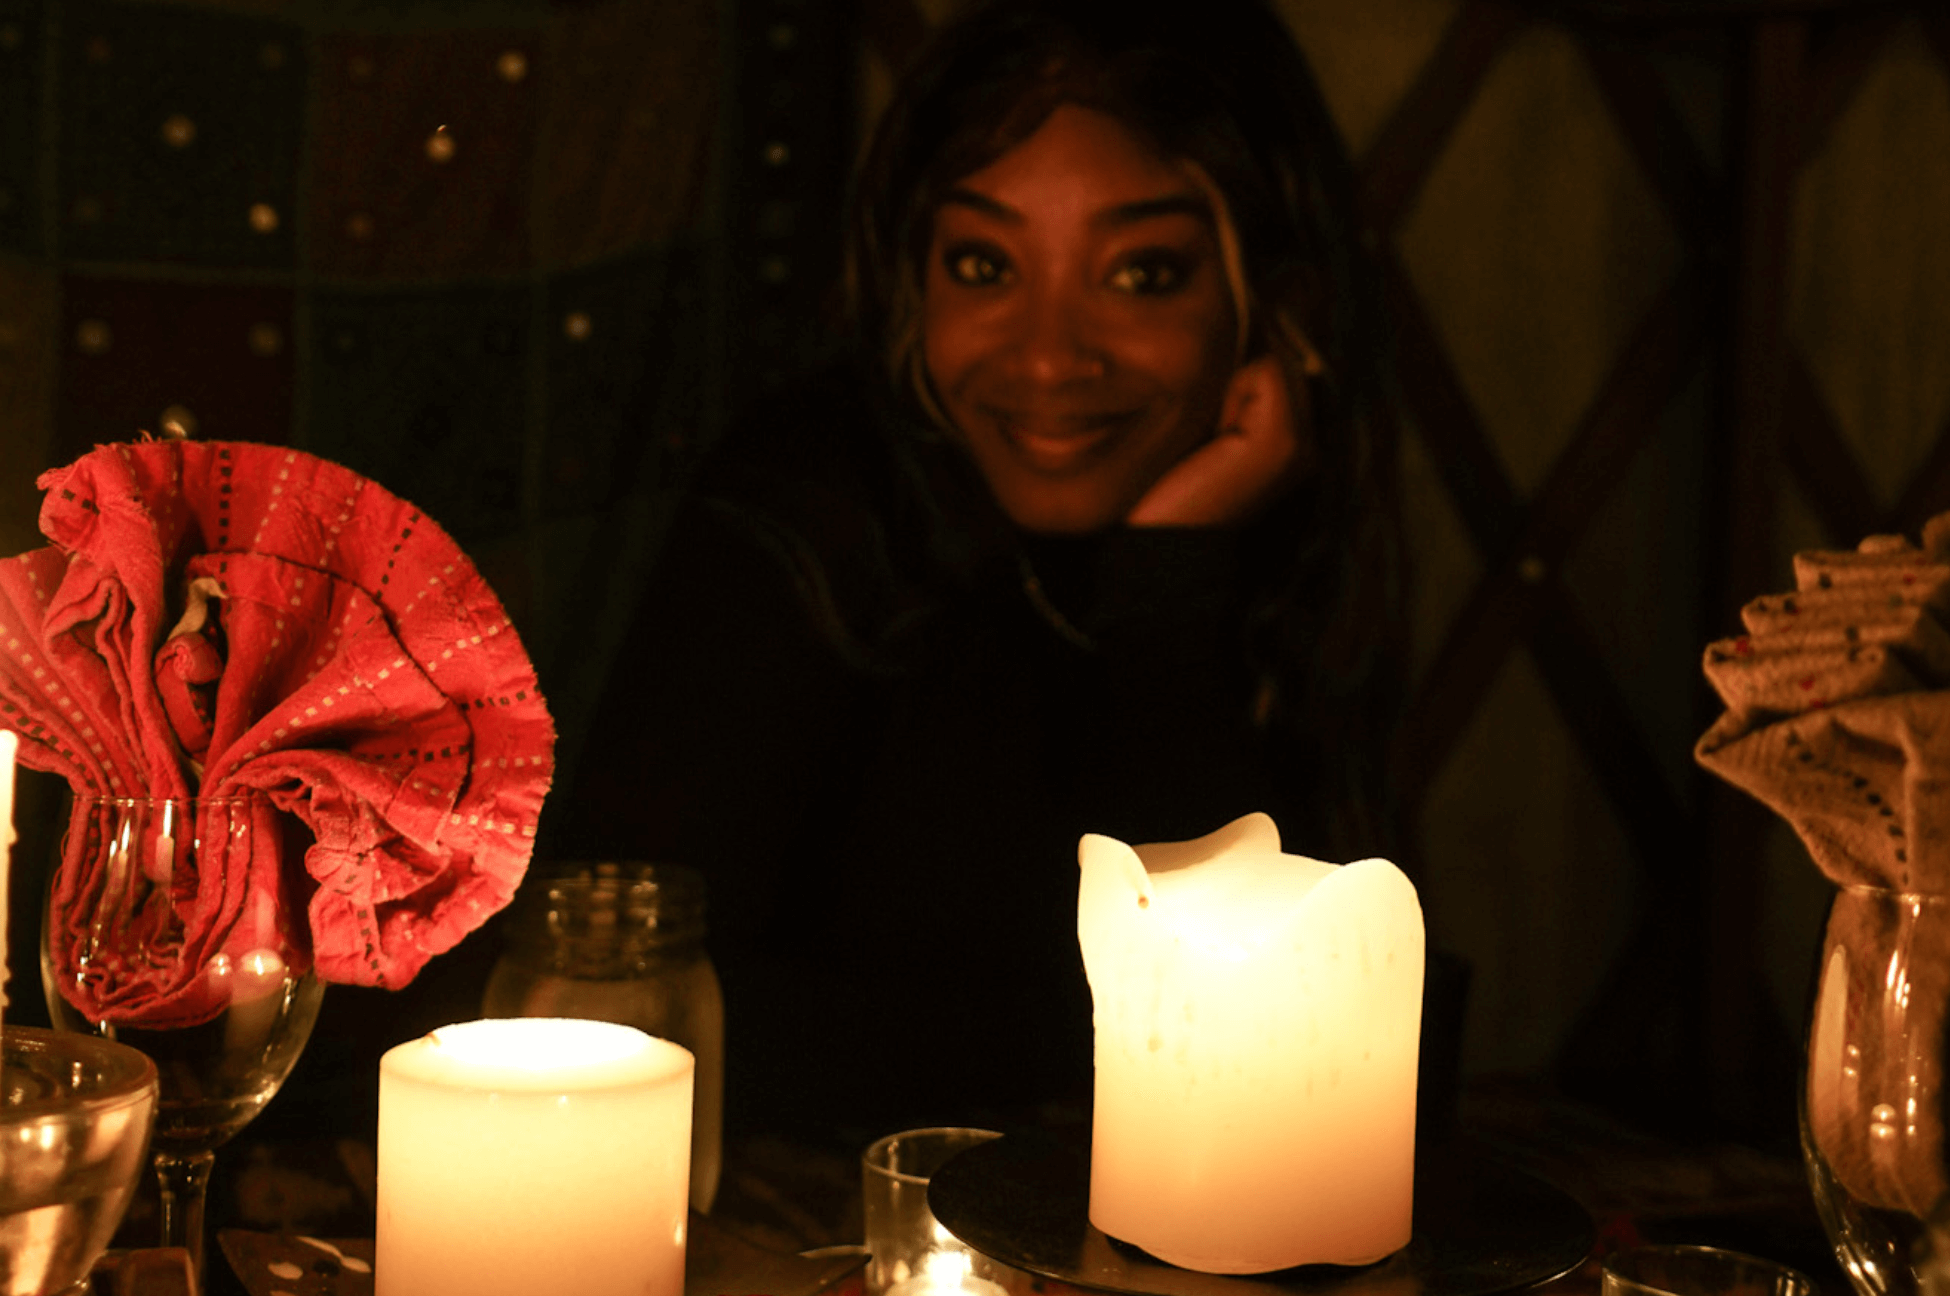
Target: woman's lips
(1059,444)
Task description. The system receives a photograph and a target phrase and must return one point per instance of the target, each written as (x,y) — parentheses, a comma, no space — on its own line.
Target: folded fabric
(213,618)
(1838,719)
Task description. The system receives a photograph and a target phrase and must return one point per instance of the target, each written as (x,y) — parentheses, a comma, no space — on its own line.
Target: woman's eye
(976,267)
(1155,273)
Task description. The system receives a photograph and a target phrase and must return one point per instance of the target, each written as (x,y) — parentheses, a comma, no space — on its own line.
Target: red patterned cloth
(218,617)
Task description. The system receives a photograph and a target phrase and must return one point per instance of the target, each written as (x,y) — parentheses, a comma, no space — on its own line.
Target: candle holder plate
(1480,1227)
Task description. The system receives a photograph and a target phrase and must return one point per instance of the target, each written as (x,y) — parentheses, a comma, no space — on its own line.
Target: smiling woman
(1078,329)
(1089,533)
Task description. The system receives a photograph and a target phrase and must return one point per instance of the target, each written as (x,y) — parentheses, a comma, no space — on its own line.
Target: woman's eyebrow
(960,197)
(1179,204)
(1129,213)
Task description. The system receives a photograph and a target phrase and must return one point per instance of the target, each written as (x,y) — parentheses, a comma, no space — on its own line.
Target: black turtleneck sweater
(878,719)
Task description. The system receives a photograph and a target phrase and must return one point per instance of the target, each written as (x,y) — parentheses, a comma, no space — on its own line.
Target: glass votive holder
(1698,1271)
(909,1253)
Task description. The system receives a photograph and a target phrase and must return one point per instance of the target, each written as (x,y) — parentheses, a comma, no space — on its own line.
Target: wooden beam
(1819,460)
(1716,914)
(1832,78)
(1398,161)
(1666,153)
(1525,546)
(1928,492)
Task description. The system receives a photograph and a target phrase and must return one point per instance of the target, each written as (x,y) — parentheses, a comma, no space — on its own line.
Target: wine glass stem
(185,1179)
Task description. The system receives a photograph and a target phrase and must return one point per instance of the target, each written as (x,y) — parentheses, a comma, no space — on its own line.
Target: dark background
(1671,302)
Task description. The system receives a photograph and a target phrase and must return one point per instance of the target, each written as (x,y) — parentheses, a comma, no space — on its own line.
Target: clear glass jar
(623,943)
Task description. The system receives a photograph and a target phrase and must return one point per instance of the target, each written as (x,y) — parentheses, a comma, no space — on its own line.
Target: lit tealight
(947,1272)
(440,145)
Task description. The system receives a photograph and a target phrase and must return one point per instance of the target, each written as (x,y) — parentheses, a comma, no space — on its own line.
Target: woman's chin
(1064,510)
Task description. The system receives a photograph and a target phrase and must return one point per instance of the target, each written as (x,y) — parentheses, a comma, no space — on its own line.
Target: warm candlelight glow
(946,1272)
(1258,1018)
(533,1154)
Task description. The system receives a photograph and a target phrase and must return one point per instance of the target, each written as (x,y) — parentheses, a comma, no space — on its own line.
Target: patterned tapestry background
(487,254)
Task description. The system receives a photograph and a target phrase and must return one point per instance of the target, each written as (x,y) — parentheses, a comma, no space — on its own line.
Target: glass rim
(1722,1256)
(115,1074)
(876,1155)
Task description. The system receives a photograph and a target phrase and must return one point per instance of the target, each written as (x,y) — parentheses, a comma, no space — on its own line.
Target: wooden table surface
(780,1198)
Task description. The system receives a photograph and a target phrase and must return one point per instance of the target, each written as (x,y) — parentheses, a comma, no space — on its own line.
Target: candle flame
(538,1043)
(947,1269)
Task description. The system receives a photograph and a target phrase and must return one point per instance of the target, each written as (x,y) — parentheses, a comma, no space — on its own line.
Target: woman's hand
(1261,449)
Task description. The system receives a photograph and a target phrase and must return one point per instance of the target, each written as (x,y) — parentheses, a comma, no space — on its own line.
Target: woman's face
(1077,325)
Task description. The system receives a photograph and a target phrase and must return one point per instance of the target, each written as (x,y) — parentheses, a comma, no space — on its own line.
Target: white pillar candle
(533,1155)
(1258,1017)
(9,746)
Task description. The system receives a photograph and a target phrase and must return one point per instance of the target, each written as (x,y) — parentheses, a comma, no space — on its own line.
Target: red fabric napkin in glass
(214,617)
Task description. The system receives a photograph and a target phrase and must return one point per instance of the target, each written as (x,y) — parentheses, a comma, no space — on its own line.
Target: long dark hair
(1219,84)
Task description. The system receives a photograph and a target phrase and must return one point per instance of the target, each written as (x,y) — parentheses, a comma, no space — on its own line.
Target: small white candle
(9,746)
(1257,1020)
(533,1154)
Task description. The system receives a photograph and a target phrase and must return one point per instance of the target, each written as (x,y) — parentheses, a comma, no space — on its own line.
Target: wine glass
(1872,1098)
(211,979)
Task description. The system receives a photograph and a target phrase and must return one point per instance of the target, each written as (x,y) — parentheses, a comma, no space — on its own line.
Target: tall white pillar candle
(533,1155)
(9,747)
(1258,1019)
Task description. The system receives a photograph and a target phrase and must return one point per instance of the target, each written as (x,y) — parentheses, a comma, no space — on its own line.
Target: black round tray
(1480,1227)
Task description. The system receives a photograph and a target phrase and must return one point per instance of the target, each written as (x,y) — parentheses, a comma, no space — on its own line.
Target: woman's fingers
(1259,451)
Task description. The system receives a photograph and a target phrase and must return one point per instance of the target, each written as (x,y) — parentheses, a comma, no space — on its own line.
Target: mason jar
(623,942)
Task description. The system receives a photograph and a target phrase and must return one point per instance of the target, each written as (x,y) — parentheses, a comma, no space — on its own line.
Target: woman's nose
(1056,342)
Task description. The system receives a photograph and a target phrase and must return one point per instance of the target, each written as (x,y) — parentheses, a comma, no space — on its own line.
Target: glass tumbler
(75,1116)
(909,1252)
(623,942)
(1698,1271)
